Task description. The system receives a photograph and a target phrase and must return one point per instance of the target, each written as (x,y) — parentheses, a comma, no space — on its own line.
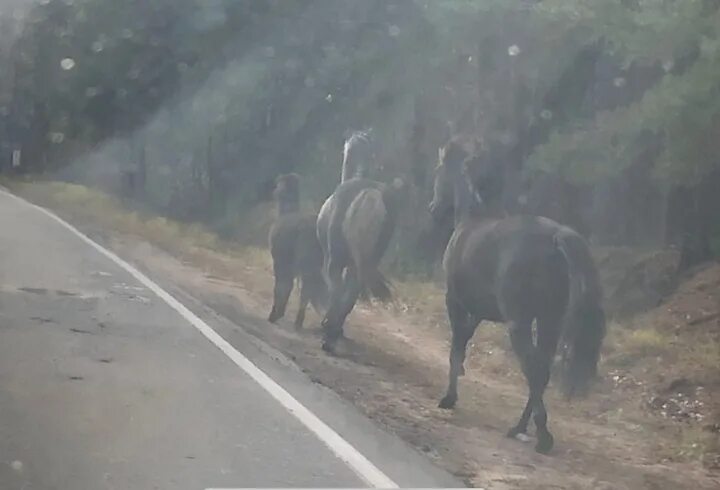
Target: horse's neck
(467,203)
(359,173)
(471,206)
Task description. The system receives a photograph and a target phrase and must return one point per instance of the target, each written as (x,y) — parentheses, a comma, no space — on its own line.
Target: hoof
(448,402)
(328,346)
(461,372)
(273,319)
(545,443)
(519,433)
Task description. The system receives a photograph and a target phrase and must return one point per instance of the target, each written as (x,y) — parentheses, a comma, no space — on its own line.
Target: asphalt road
(104,385)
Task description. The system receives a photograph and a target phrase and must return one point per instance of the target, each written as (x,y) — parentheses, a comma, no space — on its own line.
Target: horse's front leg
(463,327)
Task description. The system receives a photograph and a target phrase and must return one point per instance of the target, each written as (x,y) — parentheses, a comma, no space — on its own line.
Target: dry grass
(644,348)
(643,342)
(626,344)
(86,205)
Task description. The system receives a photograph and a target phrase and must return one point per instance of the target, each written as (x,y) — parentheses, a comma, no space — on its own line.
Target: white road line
(362,466)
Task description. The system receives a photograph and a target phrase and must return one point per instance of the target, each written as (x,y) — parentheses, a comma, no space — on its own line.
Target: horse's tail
(584,326)
(368,227)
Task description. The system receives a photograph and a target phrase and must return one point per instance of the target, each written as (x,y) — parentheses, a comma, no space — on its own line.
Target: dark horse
(518,270)
(354,226)
(296,253)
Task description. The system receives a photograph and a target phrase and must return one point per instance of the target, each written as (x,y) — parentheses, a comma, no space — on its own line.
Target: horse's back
(293,239)
(334,210)
(502,266)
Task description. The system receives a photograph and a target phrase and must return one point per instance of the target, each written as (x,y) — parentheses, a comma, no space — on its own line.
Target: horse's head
(286,184)
(359,155)
(485,173)
(447,173)
(287,191)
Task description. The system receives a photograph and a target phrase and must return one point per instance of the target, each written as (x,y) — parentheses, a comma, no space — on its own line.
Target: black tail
(584,328)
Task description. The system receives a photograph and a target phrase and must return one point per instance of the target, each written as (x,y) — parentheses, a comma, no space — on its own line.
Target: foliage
(212,99)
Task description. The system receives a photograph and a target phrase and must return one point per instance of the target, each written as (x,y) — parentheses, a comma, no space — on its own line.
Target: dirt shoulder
(652,422)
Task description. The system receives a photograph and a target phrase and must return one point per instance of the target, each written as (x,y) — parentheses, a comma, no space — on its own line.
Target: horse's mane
(356,139)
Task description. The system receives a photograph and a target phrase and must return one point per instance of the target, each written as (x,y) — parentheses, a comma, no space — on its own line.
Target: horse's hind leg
(340,309)
(535,362)
(521,339)
(304,300)
(463,327)
(281,294)
(548,332)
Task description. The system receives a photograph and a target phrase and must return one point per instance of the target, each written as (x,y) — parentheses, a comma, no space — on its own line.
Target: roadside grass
(627,344)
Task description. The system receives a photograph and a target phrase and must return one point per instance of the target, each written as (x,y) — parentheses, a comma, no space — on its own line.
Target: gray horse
(354,226)
(517,270)
(296,253)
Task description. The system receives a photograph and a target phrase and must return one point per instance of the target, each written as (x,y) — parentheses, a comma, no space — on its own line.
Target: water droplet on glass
(98,46)
(514,50)
(329,98)
(309,82)
(92,92)
(269,51)
(394,31)
(619,82)
(668,65)
(546,114)
(67,64)
(134,74)
(17,466)
(126,33)
(469,59)
(57,138)
(182,67)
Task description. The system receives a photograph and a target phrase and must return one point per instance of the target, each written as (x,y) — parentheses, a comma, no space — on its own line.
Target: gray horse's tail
(584,328)
(368,227)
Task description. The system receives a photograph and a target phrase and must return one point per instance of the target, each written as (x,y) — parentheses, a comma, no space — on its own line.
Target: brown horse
(517,270)
(354,226)
(296,253)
